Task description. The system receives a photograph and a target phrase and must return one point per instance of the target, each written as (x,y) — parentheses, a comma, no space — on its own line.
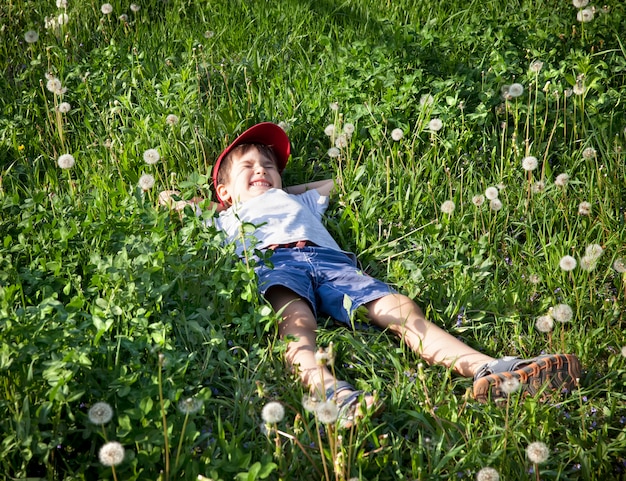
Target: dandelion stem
(180,442)
(164,418)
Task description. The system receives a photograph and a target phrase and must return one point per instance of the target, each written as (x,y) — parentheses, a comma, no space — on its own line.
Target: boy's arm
(323,187)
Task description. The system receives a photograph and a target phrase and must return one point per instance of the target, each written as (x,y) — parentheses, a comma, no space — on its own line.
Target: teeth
(259,183)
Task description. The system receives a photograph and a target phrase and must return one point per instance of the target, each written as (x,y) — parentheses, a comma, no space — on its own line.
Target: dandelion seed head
(487,474)
(31,36)
(334,106)
(561,180)
(54,85)
(189,405)
(567,263)
(66,161)
(495,204)
(327,412)
(111,454)
(64,107)
(447,207)
(538,187)
(578,88)
(478,200)
(594,251)
(348,129)
(330,130)
(623,350)
(619,265)
(171,119)
(544,323)
(62,19)
(537,452)
(309,403)
(589,153)
(426,100)
(562,313)
(515,90)
(100,413)
(397,134)
(534,279)
(209,34)
(510,385)
(151,156)
(61,3)
(529,163)
(333,152)
(580,3)
(106,8)
(585,15)
(273,412)
(341,142)
(536,66)
(435,125)
(588,263)
(123,17)
(584,208)
(134,7)
(491,193)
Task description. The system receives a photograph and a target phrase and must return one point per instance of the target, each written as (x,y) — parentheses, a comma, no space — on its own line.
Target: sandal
(558,372)
(348,406)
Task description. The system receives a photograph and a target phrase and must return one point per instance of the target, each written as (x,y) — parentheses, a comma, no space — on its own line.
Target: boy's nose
(258,168)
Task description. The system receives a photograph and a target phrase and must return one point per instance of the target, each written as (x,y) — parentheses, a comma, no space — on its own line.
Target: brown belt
(292,245)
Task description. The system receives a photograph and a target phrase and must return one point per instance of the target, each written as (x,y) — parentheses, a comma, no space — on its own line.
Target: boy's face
(251,174)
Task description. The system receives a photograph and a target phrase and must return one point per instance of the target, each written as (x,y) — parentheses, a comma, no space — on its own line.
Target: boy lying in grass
(311,275)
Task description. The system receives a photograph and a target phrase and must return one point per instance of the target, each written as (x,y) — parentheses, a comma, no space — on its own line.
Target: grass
(104,297)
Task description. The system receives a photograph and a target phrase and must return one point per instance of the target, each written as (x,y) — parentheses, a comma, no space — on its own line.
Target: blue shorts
(328,279)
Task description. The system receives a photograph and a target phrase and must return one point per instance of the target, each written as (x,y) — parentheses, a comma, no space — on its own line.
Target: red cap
(265,133)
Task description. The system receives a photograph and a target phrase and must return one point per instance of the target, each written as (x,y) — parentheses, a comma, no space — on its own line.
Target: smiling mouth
(260,183)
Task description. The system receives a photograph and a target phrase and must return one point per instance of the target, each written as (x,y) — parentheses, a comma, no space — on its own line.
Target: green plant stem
(164,419)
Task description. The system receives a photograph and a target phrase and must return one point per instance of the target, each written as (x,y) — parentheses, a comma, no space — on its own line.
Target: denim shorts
(328,279)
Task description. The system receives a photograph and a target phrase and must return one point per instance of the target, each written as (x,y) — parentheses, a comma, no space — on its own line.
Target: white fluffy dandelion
(561,180)
(544,323)
(189,405)
(435,125)
(447,207)
(62,19)
(106,8)
(567,263)
(426,100)
(330,130)
(333,152)
(623,351)
(584,208)
(100,413)
(538,187)
(510,385)
(171,119)
(491,193)
(151,156)
(334,106)
(589,153)
(348,129)
(273,412)
(487,474)
(495,204)
(536,66)
(111,454)
(515,90)
(397,134)
(529,163)
(134,7)
(341,142)
(146,182)
(55,86)
(61,3)
(562,313)
(327,412)
(64,107)
(537,452)
(478,200)
(594,251)
(580,3)
(66,161)
(31,36)
(585,15)
(619,265)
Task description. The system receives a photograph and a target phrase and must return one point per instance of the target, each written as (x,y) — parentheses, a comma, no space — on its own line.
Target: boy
(311,274)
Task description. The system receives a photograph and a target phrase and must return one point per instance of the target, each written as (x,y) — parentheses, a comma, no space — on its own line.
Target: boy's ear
(222,192)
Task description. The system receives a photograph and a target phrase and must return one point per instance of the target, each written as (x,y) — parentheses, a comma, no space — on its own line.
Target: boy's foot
(350,403)
(557,372)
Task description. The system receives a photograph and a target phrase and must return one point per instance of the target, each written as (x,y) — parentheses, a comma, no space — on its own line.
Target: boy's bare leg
(401,315)
(299,323)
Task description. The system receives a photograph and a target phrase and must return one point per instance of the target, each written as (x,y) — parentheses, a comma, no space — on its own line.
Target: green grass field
(104,297)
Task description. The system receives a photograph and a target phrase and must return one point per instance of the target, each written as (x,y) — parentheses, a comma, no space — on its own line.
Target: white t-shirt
(276,217)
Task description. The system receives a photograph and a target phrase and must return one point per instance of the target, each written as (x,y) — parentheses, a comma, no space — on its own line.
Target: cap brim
(265,133)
